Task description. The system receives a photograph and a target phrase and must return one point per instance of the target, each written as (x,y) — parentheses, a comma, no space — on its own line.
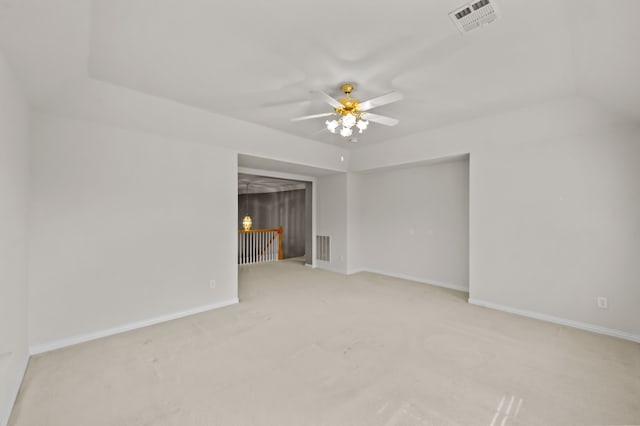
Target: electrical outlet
(212,283)
(602,302)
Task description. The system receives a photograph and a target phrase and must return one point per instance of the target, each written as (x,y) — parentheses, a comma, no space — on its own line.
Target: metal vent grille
(323,248)
(474,15)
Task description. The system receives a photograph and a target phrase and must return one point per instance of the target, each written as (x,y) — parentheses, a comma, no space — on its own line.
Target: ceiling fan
(350,112)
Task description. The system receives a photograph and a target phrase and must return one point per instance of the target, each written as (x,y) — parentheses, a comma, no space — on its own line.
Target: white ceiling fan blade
(380,100)
(380,119)
(328,99)
(308,117)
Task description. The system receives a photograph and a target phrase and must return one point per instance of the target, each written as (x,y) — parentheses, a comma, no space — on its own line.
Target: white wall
(554,208)
(414,222)
(331,210)
(102,174)
(102,102)
(354,246)
(13,238)
(126,226)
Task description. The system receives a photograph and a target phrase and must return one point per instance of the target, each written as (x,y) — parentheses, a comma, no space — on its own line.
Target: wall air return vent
(323,248)
(474,15)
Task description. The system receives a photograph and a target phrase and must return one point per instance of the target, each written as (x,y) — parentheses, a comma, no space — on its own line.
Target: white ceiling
(260,61)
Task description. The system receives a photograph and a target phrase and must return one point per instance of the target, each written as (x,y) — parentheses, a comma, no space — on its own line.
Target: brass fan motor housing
(347,88)
(349,104)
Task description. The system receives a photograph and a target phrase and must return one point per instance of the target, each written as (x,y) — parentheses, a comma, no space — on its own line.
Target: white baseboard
(7,408)
(329,267)
(457,287)
(557,320)
(50,346)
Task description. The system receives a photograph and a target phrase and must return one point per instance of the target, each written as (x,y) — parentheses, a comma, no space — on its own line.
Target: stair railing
(259,245)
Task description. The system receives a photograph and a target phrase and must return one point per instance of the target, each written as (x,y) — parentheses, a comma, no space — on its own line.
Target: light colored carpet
(310,347)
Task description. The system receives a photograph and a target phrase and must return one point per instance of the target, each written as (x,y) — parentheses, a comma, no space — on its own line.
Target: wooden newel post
(280,255)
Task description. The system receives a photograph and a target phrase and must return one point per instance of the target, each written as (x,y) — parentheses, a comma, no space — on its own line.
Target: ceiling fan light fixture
(349,120)
(350,112)
(332,125)
(346,132)
(362,125)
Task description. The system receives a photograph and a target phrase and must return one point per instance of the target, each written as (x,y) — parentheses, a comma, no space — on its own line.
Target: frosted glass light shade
(362,125)
(332,125)
(349,120)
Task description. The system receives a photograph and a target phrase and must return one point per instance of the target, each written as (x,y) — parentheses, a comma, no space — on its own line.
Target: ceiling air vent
(474,15)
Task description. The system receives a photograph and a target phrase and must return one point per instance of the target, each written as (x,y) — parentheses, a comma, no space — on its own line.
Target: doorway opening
(274,219)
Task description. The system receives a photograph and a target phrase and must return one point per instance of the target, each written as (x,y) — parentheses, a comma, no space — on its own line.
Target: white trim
(556,320)
(271,173)
(314,220)
(451,286)
(283,188)
(13,393)
(430,161)
(57,344)
(327,266)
